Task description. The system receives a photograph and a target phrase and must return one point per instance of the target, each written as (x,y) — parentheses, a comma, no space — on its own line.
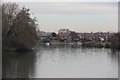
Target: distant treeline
(18,28)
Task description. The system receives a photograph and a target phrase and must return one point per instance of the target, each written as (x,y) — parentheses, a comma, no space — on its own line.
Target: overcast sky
(76,16)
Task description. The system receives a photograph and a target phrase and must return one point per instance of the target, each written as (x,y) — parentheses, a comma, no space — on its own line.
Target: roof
(46,34)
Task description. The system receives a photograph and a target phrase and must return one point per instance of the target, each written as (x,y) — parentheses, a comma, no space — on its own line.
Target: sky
(76,16)
(60,0)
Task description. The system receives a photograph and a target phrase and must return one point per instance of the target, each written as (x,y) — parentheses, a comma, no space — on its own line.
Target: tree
(115,41)
(18,29)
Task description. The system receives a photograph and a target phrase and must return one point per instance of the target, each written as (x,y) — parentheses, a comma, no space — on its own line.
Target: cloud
(78,16)
(72,7)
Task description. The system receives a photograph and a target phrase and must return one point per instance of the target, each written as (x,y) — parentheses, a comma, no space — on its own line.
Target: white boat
(71,43)
(47,43)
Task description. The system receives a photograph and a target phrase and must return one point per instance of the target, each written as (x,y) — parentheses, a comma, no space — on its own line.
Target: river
(61,61)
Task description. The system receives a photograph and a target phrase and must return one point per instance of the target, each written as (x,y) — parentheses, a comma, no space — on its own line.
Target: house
(95,37)
(64,34)
(67,35)
(74,36)
(104,36)
(48,36)
(86,36)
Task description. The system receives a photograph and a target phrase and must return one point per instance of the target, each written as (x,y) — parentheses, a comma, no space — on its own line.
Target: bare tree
(18,29)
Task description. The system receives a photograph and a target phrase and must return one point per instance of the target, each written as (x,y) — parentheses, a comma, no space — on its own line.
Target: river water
(61,61)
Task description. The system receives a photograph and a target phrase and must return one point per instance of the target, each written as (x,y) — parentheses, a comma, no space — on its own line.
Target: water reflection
(19,64)
(62,61)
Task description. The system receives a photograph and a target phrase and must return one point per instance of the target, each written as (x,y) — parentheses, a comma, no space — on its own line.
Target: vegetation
(115,41)
(18,28)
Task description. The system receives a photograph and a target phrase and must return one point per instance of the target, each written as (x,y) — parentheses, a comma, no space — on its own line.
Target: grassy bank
(85,44)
